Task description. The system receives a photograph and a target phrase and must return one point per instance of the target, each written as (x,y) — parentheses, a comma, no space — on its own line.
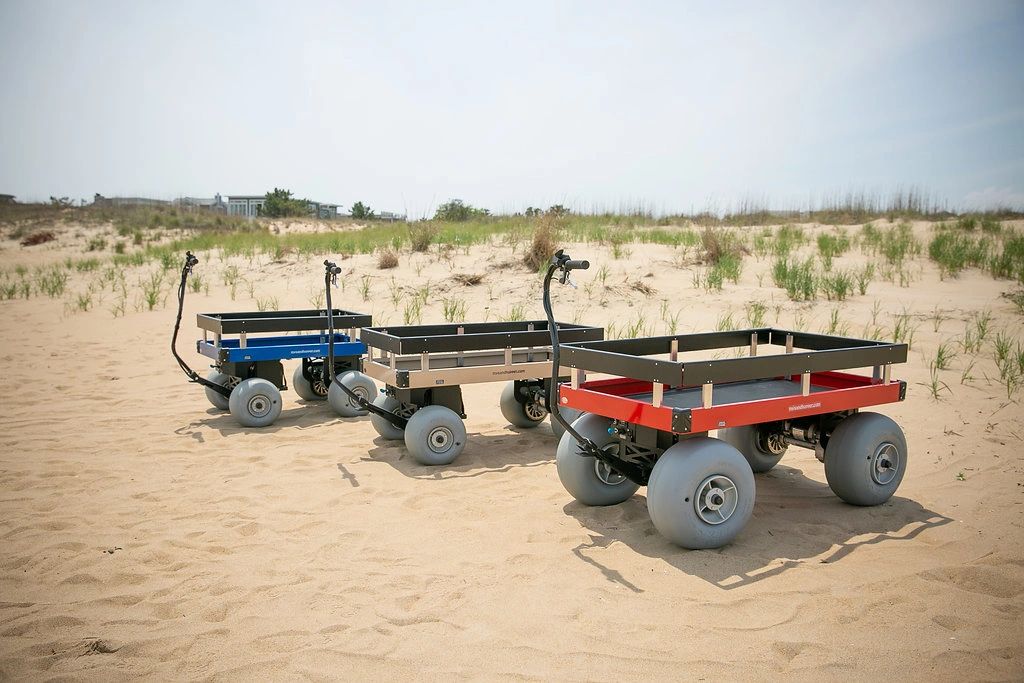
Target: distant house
(248,205)
(251,206)
(391,217)
(320,210)
(6,198)
(216,203)
(100,200)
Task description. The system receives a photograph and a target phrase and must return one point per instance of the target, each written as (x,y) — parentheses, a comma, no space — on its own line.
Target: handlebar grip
(573,264)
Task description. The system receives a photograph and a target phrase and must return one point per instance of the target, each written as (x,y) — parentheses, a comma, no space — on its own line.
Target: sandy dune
(144,534)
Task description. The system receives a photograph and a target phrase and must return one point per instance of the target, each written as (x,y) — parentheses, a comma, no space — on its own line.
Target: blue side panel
(280,348)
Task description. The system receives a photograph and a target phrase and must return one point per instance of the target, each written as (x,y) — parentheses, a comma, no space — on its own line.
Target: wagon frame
(649,424)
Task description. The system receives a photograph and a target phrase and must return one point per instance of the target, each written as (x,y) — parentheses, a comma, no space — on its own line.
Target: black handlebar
(332,268)
(562,262)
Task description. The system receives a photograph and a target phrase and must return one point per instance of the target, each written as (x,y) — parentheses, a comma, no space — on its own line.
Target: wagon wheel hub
(535,411)
(606,474)
(716,499)
(259,406)
(440,439)
(885,464)
(773,443)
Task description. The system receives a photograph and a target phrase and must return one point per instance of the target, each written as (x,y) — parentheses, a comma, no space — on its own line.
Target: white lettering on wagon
(804,406)
(304,352)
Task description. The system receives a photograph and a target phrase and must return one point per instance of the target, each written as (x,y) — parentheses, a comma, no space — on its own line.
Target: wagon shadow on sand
(301,415)
(485,454)
(796,521)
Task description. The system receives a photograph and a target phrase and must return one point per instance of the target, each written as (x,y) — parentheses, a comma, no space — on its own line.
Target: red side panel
(618,407)
(843,391)
(789,407)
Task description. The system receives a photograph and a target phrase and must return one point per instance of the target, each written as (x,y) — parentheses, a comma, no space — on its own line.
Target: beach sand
(144,534)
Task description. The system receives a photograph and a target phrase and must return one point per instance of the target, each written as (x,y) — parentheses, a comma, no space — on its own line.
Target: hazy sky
(679,106)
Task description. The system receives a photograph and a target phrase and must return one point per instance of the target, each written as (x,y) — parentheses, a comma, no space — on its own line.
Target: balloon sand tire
(526,415)
(255,402)
(384,427)
(761,450)
(865,459)
(435,435)
(305,390)
(570,415)
(342,403)
(218,400)
(701,493)
(589,480)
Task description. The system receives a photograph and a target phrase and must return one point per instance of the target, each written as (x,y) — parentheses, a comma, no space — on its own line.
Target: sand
(144,534)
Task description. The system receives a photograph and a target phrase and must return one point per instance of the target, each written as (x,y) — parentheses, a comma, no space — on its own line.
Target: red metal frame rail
(830,392)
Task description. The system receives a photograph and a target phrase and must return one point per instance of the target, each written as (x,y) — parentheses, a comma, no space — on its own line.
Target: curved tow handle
(331,272)
(564,264)
(561,262)
(186,270)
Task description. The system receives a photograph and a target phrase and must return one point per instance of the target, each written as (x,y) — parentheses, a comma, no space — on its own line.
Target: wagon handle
(562,263)
(193,376)
(331,272)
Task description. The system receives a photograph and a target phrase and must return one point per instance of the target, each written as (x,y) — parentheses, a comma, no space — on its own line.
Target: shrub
(362,211)
(455,210)
(278,204)
(387,258)
(421,236)
(718,244)
(541,247)
(35,238)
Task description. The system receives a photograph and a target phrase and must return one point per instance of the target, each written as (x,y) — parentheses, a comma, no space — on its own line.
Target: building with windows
(6,198)
(248,205)
(321,210)
(251,206)
(215,203)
